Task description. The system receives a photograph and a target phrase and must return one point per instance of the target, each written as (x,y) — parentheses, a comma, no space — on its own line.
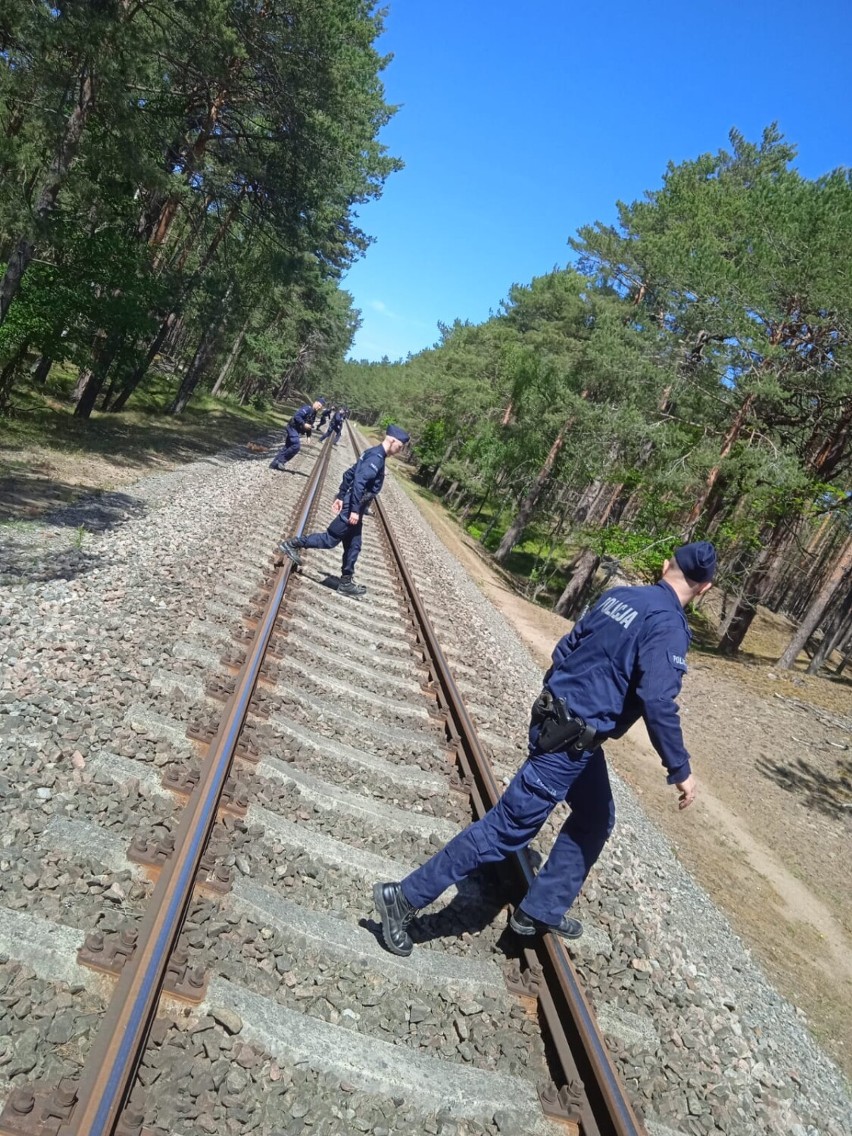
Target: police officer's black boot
(290,548)
(525,925)
(348,587)
(396,913)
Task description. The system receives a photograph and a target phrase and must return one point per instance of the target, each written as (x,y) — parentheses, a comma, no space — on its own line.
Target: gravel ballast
(108,651)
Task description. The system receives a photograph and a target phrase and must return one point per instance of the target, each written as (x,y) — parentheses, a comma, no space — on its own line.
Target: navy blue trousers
(339,531)
(292,445)
(540,784)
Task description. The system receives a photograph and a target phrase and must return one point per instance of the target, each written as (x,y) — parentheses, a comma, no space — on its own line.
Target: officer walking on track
(361,484)
(625,659)
(335,426)
(299,426)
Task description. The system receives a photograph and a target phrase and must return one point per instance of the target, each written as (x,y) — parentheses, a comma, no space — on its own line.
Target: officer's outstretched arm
(661,669)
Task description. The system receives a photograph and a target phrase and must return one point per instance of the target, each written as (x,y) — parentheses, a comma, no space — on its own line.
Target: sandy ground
(770,836)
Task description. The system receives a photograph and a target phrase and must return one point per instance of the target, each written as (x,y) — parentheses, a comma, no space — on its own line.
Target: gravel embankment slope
(713,1047)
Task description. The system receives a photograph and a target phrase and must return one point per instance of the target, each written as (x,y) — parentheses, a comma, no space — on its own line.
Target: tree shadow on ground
(26,565)
(55,502)
(821,792)
(98,512)
(39,550)
(48,457)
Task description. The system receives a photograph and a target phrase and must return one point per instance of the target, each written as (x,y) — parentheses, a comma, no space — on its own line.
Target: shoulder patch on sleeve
(678,662)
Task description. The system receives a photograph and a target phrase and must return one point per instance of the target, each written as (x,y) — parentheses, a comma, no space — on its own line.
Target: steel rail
(110,1069)
(607,1110)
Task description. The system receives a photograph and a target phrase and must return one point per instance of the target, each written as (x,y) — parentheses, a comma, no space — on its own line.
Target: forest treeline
(688,377)
(177,186)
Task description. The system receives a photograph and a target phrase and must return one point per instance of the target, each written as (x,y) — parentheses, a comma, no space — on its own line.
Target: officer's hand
(354,518)
(687,791)
(336,506)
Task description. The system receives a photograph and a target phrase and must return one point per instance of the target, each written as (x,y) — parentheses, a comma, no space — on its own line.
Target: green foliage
(204,184)
(635,552)
(431,444)
(690,376)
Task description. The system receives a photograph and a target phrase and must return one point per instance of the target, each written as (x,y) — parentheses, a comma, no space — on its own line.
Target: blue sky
(519,122)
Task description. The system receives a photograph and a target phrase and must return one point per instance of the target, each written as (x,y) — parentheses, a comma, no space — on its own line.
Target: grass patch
(135,434)
(49,458)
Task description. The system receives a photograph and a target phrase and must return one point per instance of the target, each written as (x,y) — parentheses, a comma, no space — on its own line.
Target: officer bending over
(335,426)
(361,484)
(299,426)
(625,659)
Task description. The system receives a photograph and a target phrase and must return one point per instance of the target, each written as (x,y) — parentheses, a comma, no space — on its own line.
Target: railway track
(251,992)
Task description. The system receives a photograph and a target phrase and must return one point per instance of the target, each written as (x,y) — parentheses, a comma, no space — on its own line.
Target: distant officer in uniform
(328,410)
(361,484)
(299,426)
(624,660)
(335,426)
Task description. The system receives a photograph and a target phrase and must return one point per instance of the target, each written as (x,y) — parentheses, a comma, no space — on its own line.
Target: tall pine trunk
(105,353)
(528,505)
(846,650)
(141,370)
(195,370)
(42,370)
(229,362)
(836,627)
(9,373)
(824,454)
(168,322)
(24,248)
(757,584)
(809,624)
(169,210)
(579,584)
(733,432)
(437,477)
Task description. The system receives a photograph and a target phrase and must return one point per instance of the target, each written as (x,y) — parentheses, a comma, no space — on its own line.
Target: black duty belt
(559,730)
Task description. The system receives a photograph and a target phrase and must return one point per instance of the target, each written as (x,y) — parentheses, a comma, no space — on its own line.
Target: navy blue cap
(321,401)
(398,433)
(697,561)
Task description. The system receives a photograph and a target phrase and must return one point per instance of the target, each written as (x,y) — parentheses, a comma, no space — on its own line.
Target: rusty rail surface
(110,1070)
(592,1091)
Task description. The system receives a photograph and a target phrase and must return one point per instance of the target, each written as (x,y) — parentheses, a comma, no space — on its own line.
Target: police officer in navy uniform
(327,411)
(624,660)
(361,484)
(299,426)
(335,426)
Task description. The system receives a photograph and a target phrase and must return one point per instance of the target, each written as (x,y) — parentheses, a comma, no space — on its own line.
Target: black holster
(559,730)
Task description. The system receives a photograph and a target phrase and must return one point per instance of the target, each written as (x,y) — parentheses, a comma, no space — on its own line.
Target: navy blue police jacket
(363,481)
(304,416)
(625,660)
